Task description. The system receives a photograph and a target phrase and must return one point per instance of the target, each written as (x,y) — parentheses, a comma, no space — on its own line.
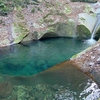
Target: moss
(39,9)
(90,10)
(33,10)
(20,29)
(19,38)
(48,21)
(46,15)
(20,15)
(4,10)
(74,56)
(50,29)
(68,10)
(82,52)
(83,32)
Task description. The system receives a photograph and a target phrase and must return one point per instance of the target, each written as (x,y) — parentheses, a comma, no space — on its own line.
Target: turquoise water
(35,56)
(60,82)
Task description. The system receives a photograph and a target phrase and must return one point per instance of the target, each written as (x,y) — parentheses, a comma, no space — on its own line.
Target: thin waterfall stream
(91,40)
(96,26)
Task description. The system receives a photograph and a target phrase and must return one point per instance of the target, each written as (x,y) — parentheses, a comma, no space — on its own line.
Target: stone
(84,28)
(5,90)
(91,63)
(98,61)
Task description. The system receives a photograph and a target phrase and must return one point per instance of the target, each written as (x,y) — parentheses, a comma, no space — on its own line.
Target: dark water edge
(33,57)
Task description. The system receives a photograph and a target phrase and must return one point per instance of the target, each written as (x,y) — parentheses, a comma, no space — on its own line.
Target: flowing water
(91,41)
(61,82)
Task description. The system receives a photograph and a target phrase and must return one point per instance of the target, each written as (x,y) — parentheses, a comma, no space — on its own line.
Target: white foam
(90,41)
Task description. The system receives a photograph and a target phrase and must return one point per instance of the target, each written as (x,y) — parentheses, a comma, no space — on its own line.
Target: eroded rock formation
(48,19)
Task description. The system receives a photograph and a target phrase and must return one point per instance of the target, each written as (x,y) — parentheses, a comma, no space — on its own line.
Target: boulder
(88,61)
(5,90)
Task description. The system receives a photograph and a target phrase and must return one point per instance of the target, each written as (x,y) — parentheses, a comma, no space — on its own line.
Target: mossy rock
(59,30)
(20,31)
(83,32)
(65,29)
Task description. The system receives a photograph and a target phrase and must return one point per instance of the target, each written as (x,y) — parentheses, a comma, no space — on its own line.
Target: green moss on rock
(68,10)
(83,32)
(20,31)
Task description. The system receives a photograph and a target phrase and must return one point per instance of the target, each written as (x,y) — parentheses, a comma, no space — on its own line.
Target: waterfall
(96,26)
(91,40)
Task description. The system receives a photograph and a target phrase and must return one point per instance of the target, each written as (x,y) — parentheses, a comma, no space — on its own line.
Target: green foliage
(83,32)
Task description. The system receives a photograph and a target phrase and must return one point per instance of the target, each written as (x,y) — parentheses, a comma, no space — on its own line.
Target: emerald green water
(33,57)
(60,82)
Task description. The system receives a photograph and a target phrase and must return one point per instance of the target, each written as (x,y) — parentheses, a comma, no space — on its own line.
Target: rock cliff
(47,18)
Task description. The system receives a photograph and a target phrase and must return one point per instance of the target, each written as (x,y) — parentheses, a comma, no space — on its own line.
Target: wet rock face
(5,90)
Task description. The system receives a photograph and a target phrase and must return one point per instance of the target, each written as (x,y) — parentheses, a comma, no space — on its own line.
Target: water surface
(60,82)
(35,56)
